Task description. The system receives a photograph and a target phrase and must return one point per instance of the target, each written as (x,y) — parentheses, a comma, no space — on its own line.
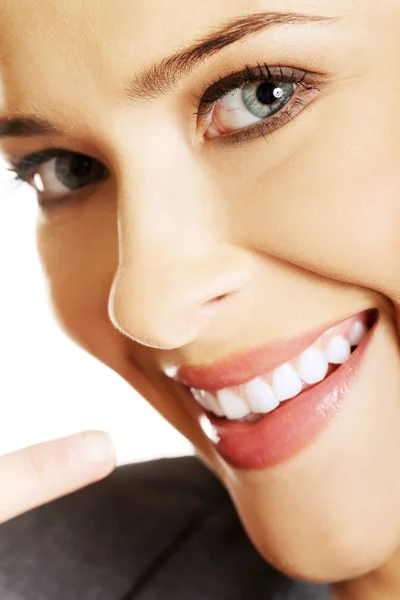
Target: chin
(346,554)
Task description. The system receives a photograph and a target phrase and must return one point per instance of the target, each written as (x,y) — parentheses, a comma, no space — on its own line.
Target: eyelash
(205,102)
(23,167)
(306,81)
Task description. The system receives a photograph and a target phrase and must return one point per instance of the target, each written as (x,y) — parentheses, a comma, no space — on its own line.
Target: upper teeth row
(264,393)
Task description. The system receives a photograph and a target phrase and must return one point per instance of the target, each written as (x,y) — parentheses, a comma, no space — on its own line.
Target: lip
(284,432)
(243,367)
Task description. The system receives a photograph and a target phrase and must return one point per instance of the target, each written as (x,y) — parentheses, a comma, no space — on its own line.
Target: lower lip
(293,426)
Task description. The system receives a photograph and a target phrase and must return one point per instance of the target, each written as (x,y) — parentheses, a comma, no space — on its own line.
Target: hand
(41,473)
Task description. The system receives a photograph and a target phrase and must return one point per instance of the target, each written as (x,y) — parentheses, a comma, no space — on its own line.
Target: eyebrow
(160,78)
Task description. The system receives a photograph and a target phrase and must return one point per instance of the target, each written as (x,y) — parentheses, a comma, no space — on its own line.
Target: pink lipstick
(280,434)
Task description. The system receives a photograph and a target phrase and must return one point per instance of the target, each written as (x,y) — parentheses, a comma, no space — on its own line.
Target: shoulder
(149,531)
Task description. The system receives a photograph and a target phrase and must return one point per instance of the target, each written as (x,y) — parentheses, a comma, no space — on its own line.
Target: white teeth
(208,401)
(338,350)
(260,396)
(199,397)
(209,429)
(313,366)
(286,382)
(357,333)
(232,405)
(213,404)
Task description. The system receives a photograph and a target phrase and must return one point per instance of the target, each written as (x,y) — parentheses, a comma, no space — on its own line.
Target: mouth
(262,408)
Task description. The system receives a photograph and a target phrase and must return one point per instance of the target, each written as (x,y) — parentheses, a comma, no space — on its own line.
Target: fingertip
(91,451)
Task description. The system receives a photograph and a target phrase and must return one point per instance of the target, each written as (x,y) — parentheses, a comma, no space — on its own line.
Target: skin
(293,230)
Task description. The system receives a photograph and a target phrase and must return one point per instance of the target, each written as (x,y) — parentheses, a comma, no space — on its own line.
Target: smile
(250,401)
(262,407)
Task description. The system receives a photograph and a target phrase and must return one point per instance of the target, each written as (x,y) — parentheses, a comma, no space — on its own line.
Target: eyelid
(261,129)
(212,93)
(307,83)
(255,73)
(23,165)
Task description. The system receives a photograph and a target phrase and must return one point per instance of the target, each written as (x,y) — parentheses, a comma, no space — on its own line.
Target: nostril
(208,307)
(218,299)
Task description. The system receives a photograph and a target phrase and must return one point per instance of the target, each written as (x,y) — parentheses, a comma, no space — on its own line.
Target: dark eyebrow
(161,78)
(26,127)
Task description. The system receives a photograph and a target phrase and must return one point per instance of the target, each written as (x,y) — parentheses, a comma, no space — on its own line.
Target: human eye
(56,174)
(255,101)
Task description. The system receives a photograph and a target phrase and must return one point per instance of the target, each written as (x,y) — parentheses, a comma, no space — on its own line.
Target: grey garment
(159,530)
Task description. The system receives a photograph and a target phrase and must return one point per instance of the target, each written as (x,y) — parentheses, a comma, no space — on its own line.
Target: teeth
(357,333)
(313,366)
(260,396)
(209,430)
(338,350)
(208,401)
(199,397)
(286,382)
(232,405)
(213,404)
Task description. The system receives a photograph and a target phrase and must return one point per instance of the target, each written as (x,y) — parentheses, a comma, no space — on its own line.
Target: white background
(35,356)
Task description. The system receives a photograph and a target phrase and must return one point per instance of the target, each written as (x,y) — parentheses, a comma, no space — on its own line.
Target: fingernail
(89,449)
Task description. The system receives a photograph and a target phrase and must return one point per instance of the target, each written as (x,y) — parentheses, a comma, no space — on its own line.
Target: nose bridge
(164,205)
(167,213)
(173,258)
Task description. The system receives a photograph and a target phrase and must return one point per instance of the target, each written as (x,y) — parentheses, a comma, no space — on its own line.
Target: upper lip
(245,366)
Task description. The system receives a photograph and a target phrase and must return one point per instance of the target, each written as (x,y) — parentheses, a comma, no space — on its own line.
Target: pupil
(81,166)
(265,93)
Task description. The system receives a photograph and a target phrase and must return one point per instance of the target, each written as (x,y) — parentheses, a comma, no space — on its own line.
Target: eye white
(46,180)
(246,106)
(238,113)
(37,180)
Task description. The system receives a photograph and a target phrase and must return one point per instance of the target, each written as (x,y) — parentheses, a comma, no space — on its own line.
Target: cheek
(333,205)
(80,258)
(79,255)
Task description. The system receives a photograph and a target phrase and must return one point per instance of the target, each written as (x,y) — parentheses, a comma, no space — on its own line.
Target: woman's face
(242,232)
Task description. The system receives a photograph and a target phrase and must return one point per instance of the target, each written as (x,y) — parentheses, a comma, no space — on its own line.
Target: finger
(41,473)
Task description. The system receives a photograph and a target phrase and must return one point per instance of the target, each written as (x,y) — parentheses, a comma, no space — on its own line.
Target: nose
(177,268)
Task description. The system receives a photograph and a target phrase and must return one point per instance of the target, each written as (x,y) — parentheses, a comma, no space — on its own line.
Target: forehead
(57,54)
